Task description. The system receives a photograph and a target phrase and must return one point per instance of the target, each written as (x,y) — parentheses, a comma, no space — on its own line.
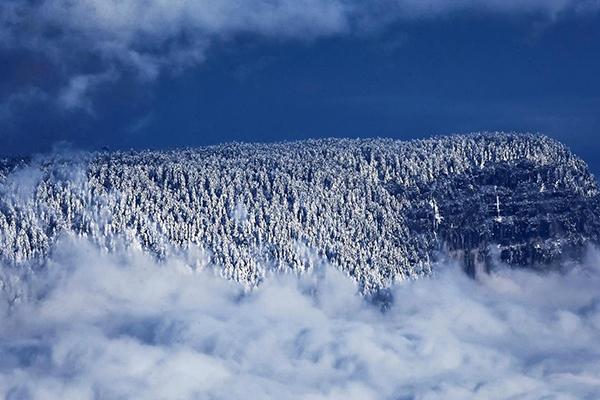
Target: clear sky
(164,74)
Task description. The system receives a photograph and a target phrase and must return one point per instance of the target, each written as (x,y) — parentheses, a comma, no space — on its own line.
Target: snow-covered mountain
(379,209)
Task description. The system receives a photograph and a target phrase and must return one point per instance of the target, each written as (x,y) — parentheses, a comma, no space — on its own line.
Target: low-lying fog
(94,325)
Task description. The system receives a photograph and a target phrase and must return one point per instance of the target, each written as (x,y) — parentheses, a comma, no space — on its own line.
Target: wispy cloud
(151,35)
(76,95)
(86,39)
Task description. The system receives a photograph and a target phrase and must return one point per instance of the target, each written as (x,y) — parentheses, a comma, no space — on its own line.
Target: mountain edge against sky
(380,210)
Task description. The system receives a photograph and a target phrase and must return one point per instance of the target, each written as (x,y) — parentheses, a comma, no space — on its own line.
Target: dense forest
(380,210)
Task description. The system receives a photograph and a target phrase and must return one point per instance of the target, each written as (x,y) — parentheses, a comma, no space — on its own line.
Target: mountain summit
(380,210)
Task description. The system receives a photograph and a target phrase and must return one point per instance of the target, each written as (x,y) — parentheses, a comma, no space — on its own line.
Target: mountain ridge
(379,209)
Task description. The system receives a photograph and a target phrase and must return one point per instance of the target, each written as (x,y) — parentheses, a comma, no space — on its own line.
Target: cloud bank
(110,326)
(90,42)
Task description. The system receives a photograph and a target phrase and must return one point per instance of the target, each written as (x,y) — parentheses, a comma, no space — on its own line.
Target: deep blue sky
(407,78)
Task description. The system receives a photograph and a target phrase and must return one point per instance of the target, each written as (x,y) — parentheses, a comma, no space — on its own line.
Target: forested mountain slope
(378,209)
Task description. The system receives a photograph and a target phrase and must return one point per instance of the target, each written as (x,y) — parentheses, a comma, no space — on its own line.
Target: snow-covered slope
(378,209)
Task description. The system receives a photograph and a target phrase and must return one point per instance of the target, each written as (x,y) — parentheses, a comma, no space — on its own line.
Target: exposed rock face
(378,209)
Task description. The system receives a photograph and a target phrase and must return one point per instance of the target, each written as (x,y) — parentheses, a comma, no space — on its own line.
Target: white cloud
(91,43)
(151,35)
(90,39)
(93,325)
(76,95)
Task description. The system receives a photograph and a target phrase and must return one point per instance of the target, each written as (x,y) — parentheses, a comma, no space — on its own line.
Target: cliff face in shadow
(381,210)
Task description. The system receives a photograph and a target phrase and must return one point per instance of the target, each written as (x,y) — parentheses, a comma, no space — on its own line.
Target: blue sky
(156,74)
